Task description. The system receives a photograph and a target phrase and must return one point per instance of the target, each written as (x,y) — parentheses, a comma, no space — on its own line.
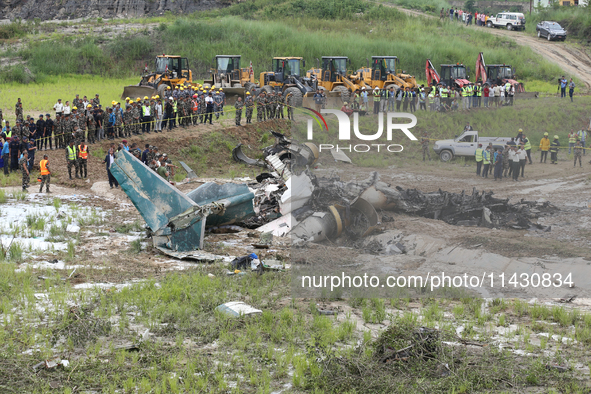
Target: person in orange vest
(83,158)
(45,174)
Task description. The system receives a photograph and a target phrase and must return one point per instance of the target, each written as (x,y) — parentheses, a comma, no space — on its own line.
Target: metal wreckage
(287,199)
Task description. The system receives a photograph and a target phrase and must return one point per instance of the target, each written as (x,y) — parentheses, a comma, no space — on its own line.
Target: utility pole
(530,1)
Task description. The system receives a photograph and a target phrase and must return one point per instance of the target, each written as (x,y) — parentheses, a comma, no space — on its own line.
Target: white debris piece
(237,308)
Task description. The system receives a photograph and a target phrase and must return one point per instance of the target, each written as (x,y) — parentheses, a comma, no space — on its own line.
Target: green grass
(576,20)
(355,28)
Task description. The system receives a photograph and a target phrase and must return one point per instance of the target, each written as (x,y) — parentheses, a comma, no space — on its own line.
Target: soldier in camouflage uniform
(218,104)
(118,121)
(261,107)
(91,127)
(239,105)
(289,101)
(58,132)
(135,114)
(128,120)
(280,104)
(271,105)
(578,151)
(82,122)
(23,166)
(67,128)
(95,101)
(425,146)
(18,109)
(77,102)
(506,161)
(152,113)
(249,103)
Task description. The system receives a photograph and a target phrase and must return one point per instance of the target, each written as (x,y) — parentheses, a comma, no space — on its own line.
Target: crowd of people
(510,160)
(458,15)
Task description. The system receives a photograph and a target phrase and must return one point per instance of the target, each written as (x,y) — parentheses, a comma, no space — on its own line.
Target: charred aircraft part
(177,220)
(292,155)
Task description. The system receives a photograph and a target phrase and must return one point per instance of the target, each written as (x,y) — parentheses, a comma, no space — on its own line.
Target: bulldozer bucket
(134,91)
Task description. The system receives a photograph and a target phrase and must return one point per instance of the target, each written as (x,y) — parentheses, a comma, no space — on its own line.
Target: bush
(13,30)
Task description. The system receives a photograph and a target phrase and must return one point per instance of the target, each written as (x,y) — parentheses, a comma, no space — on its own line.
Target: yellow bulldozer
(332,77)
(169,71)
(382,73)
(228,75)
(286,78)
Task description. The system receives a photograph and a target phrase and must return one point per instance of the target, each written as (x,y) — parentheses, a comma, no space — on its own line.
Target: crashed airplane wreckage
(291,200)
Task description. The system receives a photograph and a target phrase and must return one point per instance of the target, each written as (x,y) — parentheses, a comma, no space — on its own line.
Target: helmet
(145,97)
(520,130)
(89,106)
(555,137)
(213,87)
(127,98)
(74,107)
(138,99)
(157,97)
(194,96)
(182,88)
(221,89)
(546,133)
(168,88)
(247,93)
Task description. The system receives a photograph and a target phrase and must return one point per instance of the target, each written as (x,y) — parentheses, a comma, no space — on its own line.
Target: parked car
(551,30)
(510,20)
(466,144)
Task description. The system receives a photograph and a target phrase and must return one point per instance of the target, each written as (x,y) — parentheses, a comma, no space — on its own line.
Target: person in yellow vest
(45,174)
(544,147)
(572,140)
(376,101)
(486,156)
(527,147)
(478,156)
(72,158)
(83,158)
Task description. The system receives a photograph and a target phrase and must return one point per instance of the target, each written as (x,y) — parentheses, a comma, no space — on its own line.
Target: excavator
(451,74)
(169,71)
(228,75)
(332,77)
(383,73)
(287,78)
(500,74)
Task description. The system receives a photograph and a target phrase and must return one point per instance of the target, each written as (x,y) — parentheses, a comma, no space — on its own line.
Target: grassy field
(261,29)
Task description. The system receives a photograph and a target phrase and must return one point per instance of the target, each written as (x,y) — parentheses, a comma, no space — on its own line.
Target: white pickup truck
(465,145)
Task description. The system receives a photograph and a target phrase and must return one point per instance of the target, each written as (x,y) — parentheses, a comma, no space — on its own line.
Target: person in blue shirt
(563,83)
(111,123)
(5,156)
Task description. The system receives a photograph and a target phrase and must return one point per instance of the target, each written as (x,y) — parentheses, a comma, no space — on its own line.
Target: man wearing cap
(290,103)
(526,147)
(169,111)
(23,166)
(47,132)
(77,102)
(45,174)
(58,107)
(58,132)
(72,158)
(261,107)
(90,124)
(99,117)
(544,147)
(96,101)
(18,109)
(6,155)
(217,104)
(554,146)
(238,105)
(136,119)
(127,121)
(41,137)
(249,104)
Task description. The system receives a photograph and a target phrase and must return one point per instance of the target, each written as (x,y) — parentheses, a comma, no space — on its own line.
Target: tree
(469,6)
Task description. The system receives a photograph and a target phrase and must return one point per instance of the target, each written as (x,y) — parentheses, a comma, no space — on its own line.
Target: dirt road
(575,62)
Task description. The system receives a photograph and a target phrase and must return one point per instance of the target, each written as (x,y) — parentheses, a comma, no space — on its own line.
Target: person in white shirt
(85,103)
(159,113)
(514,157)
(522,158)
(67,109)
(58,107)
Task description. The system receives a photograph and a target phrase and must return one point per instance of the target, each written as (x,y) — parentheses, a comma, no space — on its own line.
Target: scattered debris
(237,309)
(339,155)
(567,299)
(558,368)
(51,363)
(190,173)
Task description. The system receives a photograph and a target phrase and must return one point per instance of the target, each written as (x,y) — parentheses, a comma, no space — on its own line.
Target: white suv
(510,20)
